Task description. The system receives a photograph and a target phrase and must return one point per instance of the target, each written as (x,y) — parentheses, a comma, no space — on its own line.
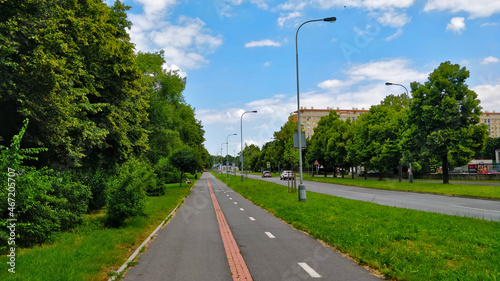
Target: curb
(136,253)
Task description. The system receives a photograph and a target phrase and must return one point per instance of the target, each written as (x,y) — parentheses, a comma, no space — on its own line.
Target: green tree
(444,118)
(318,149)
(186,159)
(70,67)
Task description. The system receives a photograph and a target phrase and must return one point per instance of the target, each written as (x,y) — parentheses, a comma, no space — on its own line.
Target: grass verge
(466,190)
(402,244)
(91,251)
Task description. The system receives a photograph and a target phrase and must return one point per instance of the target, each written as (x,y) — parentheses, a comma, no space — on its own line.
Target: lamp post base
(410,177)
(242,178)
(302,193)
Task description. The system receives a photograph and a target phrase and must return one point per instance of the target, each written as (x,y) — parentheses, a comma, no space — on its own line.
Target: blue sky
(239,55)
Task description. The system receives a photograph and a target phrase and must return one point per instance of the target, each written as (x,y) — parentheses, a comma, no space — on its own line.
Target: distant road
(459,206)
(192,246)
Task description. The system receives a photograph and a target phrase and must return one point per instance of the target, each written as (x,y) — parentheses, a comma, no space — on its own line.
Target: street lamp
(241,151)
(410,174)
(227,150)
(302,188)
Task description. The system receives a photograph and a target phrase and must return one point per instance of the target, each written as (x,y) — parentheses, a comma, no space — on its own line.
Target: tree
(70,67)
(444,118)
(186,159)
(377,142)
(319,141)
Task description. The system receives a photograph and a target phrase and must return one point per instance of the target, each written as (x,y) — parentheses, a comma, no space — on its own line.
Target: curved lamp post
(410,174)
(227,150)
(302,188)
(241,134)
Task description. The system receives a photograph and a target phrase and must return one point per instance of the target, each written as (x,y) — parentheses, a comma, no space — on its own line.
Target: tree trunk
(446,176)
(182,173)
(353,171)
(342,170)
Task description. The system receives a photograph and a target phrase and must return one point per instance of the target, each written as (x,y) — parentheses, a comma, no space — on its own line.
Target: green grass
(91,251)
(467,190)
(401,244)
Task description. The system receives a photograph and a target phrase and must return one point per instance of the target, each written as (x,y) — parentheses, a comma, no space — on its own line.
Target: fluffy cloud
(393,19)
(475,8)
(490,59)
(262,43)
(456,25)
(286,17)
(185,43)
(398,33)
(488,94)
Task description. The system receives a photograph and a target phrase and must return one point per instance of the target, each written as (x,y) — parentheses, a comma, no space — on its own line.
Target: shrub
(128,192)
(98,182)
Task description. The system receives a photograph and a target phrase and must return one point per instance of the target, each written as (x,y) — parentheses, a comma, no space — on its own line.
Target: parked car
(266,174)
(285,175)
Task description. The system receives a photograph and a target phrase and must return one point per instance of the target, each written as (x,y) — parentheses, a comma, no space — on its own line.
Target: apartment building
(492,120)
(310,118)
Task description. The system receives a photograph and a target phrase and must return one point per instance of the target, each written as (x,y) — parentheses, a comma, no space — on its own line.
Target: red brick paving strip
(239,269)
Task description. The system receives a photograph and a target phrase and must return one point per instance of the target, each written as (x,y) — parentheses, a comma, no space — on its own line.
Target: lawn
(402,244)
(91,251)
(467,190)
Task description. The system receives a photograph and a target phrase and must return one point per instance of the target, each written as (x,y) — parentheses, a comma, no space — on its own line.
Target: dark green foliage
(127,193)
(98,182)
(444,118)
(45,203)
(186,159)
(76,199)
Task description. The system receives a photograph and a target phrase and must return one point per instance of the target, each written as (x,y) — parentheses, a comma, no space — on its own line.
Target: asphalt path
(190,247)
(450,205)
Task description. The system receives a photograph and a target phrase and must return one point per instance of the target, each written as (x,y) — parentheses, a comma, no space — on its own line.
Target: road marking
(241,209)
(235,203)
(270,235)
(309,270)
(237,265)
(230,198)
(475,208)
(251,218)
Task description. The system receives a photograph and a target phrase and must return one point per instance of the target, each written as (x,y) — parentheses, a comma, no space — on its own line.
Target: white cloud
(456,25)
(284,18)
(267,63)
(185,43)
(475,8)
(488,95)
(490,59)
(329,4)
(263,43)
(393,19)
(489,24)
(398,33)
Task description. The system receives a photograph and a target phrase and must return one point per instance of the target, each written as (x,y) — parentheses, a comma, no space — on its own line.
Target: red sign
(316,163)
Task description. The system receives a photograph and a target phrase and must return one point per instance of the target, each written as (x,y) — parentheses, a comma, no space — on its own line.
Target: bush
(98,182)
(166,172)
(75,199)
(128,192)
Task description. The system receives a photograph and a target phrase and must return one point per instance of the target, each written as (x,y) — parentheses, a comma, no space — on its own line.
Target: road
(218,235)
(459,206)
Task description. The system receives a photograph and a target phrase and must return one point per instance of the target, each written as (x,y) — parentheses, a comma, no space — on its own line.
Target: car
(266,174)
(286,175)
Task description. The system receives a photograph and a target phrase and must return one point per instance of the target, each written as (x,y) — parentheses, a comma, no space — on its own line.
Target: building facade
(310,118)
(492,120)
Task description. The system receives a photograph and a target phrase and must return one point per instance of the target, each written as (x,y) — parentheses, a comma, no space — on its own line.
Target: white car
(285,175)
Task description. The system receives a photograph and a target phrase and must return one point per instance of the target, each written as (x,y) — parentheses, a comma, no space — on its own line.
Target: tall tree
(444,118)
(70,67)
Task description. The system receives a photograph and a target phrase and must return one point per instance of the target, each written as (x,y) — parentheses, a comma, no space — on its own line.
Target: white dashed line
(241,209)
(270,235)
(251,218)
(235,203)
(230,198)
(309,270)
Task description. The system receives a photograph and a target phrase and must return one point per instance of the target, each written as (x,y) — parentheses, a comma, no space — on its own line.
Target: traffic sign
(316,163)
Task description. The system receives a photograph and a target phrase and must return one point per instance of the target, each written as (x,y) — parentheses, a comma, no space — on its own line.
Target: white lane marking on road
(251,218)
(241,209)
(309,270)
(235,203)
(475,208)
(230,198)
(270,235)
